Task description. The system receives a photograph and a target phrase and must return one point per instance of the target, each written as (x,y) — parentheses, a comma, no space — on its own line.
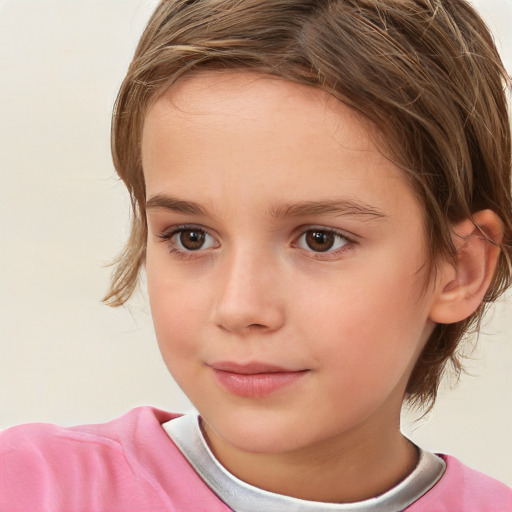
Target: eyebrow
(337,207)
(174,204)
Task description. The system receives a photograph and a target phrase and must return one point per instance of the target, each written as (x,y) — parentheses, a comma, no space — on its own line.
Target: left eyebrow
(337,207)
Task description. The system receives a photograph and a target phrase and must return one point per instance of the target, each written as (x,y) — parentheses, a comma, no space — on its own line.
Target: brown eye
(191,239)
(183,240)
(321,240)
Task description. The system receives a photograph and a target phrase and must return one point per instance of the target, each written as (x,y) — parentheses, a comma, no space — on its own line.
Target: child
(321,201)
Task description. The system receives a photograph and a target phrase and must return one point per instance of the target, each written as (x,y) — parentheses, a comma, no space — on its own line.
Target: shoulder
(465,490)
(29,440)
(83,467)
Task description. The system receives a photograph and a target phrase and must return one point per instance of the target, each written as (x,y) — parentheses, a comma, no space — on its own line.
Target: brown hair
(426,72)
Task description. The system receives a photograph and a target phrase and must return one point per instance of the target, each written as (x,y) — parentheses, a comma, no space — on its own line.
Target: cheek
(362,300)
(178,324)
(374,323)
(177,307)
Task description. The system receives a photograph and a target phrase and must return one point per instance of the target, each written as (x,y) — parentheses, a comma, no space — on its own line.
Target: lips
(254,380)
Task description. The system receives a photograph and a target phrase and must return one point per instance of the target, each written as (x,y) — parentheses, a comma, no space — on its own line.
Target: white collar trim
(242,497)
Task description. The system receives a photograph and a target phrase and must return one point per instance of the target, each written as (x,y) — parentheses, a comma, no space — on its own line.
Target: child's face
(281,239)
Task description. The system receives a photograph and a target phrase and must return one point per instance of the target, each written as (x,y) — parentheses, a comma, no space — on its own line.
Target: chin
(262,436)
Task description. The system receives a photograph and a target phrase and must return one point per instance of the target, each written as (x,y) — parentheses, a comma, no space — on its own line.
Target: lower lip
(256,385)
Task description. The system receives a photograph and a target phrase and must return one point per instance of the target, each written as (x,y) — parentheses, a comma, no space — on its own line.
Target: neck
(351,467)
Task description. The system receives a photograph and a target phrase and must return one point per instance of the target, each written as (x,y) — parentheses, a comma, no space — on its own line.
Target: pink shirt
(131,465)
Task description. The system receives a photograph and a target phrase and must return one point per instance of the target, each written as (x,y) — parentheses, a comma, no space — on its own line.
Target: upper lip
(249,368)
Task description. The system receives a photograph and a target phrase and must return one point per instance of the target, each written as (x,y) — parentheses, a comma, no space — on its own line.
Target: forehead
(227,97)
(235,136)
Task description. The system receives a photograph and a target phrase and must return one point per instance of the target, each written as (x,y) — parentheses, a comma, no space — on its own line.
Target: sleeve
(463,489)
(25,472)
(47,468)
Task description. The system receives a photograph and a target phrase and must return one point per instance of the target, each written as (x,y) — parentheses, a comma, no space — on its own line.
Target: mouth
(254,380)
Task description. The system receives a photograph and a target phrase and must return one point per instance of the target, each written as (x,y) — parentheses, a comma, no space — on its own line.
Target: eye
(321,240)
(188,239)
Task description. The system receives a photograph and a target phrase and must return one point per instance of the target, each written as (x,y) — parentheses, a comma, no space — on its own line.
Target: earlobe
(462,285)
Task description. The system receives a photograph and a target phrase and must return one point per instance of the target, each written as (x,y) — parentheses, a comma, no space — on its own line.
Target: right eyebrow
(176,205)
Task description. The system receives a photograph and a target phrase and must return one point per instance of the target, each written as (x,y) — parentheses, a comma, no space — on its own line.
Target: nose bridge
(248,294)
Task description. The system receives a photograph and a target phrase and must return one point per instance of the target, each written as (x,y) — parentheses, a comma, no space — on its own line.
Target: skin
(244,148)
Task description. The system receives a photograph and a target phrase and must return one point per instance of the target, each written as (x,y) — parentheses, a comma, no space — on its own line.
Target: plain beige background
(65,357)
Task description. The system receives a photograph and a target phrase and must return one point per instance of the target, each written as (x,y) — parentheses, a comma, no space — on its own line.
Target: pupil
(320,241)
(192,240)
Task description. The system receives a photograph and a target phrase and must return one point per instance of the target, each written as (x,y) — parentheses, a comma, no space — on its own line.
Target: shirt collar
(242,497)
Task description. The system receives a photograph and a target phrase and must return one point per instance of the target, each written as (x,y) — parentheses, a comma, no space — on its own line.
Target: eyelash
(329,254)
(184,254)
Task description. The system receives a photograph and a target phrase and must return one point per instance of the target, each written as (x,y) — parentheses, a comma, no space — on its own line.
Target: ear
(461,286)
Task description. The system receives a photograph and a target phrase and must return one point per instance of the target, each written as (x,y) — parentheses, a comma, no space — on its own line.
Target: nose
(250,295)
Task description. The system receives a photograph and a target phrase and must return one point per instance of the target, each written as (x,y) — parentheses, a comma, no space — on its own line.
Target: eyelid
(351,241)
(301,230)
(176,228)
(183,253)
